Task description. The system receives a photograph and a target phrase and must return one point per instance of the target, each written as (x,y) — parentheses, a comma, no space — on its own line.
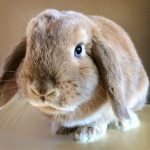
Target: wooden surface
(24,128)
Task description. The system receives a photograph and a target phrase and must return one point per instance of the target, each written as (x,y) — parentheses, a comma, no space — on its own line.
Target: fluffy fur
(107,83)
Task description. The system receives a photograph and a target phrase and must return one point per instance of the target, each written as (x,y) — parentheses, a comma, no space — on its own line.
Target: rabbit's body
(80,71)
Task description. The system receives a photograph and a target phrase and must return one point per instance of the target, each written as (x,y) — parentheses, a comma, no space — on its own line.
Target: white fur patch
(84,139)
(133,122)
(90,134)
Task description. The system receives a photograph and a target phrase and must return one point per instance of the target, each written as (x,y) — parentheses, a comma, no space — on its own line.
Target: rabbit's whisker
(17,11)
(15,117)
(8,71)
(6,92)
(9,80)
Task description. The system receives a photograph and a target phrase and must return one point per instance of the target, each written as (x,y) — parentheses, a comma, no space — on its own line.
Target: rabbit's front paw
(89,133)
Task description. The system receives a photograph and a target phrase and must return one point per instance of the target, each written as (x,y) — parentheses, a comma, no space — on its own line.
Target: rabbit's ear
(106,59)
(8,85)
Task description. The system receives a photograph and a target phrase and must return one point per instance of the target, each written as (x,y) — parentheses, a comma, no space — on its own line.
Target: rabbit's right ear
(105,55)
(8,85)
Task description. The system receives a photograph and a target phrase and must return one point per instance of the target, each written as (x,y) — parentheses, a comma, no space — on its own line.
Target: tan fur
(91,91)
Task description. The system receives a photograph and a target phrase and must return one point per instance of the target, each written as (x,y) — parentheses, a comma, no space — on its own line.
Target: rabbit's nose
(51,93)
(43,94)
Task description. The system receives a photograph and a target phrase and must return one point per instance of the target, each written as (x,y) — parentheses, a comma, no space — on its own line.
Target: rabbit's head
(57,70)
(60,63)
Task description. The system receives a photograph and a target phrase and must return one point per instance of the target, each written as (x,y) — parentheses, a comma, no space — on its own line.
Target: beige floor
(24,128)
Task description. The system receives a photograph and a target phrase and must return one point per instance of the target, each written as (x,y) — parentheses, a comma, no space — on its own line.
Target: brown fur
(8,85)
(97,88)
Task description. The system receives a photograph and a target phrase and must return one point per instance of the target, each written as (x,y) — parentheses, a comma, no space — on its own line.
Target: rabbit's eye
(78,50)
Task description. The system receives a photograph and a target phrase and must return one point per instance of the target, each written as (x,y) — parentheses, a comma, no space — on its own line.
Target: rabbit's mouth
(66,109)
(40,104)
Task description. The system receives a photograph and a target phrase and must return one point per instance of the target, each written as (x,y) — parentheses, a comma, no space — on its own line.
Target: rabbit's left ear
(8,84)
(104,55)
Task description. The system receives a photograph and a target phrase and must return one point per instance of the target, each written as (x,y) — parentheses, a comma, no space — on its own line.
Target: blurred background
(132,15)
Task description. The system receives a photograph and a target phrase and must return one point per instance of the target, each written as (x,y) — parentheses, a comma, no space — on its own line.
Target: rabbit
(80,71)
